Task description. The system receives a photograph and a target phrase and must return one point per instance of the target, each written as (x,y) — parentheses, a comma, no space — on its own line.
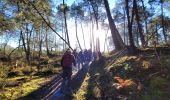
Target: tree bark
(162,17)
(65,20)
(146,23)
(77,33)
(46,42)
(83,35)
(117,40)
(131,40)
(139,24)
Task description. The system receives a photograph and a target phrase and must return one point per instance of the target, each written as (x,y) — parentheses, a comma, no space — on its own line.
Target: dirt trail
(75,84)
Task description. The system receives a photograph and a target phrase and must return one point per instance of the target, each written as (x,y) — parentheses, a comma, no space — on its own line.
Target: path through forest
(76,82)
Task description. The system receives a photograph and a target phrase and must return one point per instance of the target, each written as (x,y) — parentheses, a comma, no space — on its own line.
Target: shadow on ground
(76,82)
(99,82)
(42,91)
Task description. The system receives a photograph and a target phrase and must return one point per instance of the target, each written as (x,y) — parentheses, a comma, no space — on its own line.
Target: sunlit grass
(82,92)
(24,88)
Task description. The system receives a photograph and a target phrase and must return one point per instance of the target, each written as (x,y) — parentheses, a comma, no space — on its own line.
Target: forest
(129,41)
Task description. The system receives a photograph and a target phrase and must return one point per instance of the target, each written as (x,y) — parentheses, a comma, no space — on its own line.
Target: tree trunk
(24,44)
(83,35)
(92,33)
(105,39)
(95,14)
(77,34)
(162,17)
(124,25)
(65,20)
(40,44)
(138,23)
(117,40)
(131,40)
(146,23)
(46,42)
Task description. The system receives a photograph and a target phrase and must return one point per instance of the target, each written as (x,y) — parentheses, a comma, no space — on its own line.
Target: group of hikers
(76,59)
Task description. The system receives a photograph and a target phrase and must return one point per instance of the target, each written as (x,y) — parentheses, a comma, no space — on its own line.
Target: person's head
(68,51)
(74,50)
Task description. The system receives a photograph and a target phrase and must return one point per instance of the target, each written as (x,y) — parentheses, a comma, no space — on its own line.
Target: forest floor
(18,79)
(145,76)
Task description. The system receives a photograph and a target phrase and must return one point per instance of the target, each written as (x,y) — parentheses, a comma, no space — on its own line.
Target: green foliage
(158,89)
(167,61)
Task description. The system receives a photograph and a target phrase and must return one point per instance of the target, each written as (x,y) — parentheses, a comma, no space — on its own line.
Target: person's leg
(69,80)
(64,74)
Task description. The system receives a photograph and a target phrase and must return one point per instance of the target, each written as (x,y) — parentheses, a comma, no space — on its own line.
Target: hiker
(76,59)
(94,56)
(66,62)
(80,59)
(89,55)
(85,55)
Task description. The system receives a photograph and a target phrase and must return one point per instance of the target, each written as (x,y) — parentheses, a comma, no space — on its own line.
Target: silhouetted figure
(89,55)
(80,59)
(94,56)
(85,55)
(66,62)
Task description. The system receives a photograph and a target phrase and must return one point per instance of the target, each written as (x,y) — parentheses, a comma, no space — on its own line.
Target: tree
(77,13)
(138,23)
(130,23)
(161,2)
(118,42)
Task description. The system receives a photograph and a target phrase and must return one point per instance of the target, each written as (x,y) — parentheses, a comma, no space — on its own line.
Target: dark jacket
(67,60)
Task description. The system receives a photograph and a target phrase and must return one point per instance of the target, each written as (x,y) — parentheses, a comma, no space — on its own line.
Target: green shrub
(157,89)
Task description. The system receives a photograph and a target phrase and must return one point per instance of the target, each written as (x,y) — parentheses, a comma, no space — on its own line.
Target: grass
(18,81)
(24,88)
(82,92)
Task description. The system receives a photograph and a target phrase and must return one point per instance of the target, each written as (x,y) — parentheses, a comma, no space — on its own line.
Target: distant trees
(140,16)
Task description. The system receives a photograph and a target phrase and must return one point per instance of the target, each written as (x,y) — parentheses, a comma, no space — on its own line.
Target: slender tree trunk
(77,33)
(139,24)
(90,34)
(95,14)
(46,42)
(40,44)
(146,23)
(93,39)
(117,40)
(24,44)
(105,39)
(124,28)
(162,17)
(83,35)
(65,20)
(28,45)
(131,40)
(157,34)
(137,37)
(63,34)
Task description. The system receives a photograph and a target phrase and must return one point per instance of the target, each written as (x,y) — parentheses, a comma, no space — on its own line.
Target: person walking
(66,62)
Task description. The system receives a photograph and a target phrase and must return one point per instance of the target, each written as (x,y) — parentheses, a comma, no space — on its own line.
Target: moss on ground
(25,85)
(151,75)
